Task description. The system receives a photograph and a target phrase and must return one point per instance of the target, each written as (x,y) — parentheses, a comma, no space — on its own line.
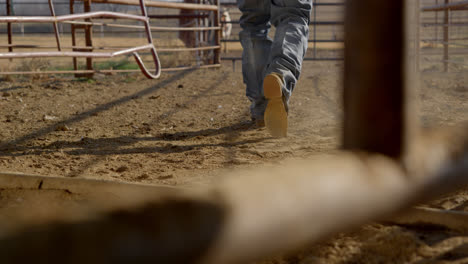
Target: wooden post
(374,77)
(446,36)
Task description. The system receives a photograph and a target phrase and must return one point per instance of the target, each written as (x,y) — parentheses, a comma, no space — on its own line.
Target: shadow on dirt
(100,108)
(133,142)
(116,145)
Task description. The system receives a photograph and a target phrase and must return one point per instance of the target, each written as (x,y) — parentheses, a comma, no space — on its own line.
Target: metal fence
(449,30)
(443,31)
(444,24)
(197,26)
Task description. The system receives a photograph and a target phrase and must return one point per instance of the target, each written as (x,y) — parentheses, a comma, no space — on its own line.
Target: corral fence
(196,25)
(387,163)
(326,30)
(443,31)
(445,23)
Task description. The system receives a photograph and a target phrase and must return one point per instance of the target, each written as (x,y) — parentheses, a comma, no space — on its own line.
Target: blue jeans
(283,55)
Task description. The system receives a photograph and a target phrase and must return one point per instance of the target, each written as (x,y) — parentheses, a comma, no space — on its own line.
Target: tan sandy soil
(187,128)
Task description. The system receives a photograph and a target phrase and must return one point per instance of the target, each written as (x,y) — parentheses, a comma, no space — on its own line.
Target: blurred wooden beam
(251,214)
(374,77)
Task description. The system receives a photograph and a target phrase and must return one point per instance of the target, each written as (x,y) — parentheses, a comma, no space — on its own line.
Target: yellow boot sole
(276,117)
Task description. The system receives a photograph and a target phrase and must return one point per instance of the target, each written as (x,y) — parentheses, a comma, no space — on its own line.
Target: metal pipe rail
(79,54)
(100,14)
(153,28)
(63,18)
(461,5)
(173,69)
(106,48)
(150,3)
(87,24)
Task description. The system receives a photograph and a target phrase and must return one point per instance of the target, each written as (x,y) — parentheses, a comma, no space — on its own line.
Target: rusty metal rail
(88,51)
(150,3)
(102,14)
(461,5)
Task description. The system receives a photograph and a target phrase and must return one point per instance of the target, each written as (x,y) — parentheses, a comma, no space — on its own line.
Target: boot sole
(276,117)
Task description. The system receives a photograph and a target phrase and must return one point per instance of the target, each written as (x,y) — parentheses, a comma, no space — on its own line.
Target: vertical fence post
(315,28)
(56,30)
(88,38)
(436,22)
(375,116)
(446,36)
(217,17)
(10,38)
(73,36)
(417,35)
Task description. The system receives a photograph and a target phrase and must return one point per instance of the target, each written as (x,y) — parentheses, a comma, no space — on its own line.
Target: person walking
(271,67)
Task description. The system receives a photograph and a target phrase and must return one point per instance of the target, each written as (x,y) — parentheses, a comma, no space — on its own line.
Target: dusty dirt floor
(188,128)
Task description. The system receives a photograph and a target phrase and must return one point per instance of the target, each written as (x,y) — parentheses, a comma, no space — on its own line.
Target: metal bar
(153,50)
(56,30)
(315,4)
(446,6)
(315,29)
(178,16)
(191,49)
(436,21)
(88,37)
(448,43)
(305,59)
(46,19)
(10,38)
(112,48)
(153,28)
(75,53)
(109,71)
(374,84)
(449,61)
(150,3)
(312,22)
(217,23)
(73,35)
(446,36)
(309,41)
(458,24)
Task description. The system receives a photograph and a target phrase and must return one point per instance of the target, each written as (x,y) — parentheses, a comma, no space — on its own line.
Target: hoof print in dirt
(121,169)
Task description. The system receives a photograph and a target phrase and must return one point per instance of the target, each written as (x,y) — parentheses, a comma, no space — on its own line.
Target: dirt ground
(187,128)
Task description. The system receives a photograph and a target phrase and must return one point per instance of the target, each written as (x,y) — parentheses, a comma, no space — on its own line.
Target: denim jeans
(283,55)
